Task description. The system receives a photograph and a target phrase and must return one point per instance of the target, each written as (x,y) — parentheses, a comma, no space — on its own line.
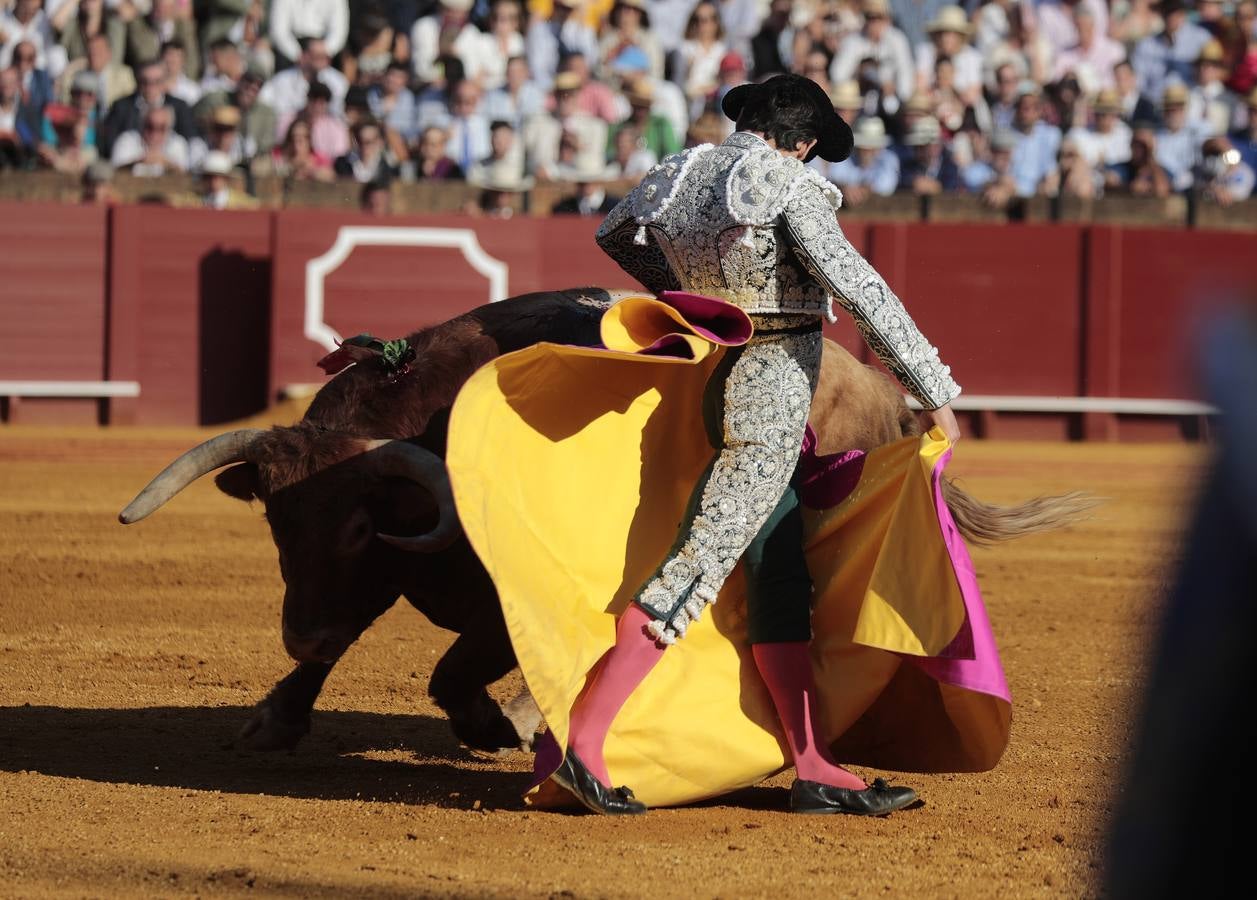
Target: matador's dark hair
(787,115)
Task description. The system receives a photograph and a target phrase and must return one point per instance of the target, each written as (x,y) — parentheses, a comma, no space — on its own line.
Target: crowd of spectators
(1003,99)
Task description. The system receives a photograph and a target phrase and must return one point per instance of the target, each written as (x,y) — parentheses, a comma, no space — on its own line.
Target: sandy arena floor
(129,658)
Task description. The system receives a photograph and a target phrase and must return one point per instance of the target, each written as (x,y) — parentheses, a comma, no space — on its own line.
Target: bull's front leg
(281,720)
(475,660)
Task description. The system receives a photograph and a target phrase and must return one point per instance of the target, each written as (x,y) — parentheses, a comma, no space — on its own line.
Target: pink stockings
(785,667)
(616,676)
(787,670)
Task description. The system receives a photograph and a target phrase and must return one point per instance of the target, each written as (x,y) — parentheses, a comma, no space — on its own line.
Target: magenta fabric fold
(972,660)
(718,321)
(825,481)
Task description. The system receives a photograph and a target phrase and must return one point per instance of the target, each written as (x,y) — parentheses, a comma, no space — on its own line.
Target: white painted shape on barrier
(350,236)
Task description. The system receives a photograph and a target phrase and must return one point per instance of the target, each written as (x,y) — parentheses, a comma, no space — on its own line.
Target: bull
(360,508)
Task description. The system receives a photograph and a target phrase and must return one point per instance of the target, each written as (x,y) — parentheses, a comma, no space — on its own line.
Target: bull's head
(335,503)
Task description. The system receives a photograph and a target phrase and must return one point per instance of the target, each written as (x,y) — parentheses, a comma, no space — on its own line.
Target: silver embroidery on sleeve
(767,396)
(885,325)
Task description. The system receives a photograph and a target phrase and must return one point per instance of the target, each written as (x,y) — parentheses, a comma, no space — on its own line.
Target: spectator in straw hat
(222,135)
(543,135)
(1038,143)
(500,199)
(881,47)
(654,131)
(1177,141)
(629,26)
(1172,52)
(1212,109)
(1107,141)
(928,167)
(873,169)
(217,190)
(848,102)
(949,36)
(1245,139)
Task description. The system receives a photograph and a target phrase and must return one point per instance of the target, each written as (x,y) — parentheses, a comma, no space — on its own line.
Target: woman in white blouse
(701,51)
(501,42)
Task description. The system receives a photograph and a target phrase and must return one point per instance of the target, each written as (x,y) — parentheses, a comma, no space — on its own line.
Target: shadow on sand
(193,747)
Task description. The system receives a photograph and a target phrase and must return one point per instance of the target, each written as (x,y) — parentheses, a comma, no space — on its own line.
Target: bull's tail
(985,523)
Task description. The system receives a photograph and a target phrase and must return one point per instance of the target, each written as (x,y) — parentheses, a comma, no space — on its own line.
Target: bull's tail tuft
(985,523)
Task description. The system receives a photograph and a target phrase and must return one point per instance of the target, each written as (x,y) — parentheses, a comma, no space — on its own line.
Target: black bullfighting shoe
(591,792)
(879,799)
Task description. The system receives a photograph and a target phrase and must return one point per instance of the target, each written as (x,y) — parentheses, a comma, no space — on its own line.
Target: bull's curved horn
(399,459)
(200,460)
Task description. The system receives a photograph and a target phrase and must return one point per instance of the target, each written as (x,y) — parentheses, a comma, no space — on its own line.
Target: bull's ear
(240,481)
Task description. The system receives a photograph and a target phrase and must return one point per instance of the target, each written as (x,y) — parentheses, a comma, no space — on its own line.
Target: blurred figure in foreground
(1193,720)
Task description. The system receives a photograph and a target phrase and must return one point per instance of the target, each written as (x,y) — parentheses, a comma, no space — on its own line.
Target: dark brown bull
(364,466)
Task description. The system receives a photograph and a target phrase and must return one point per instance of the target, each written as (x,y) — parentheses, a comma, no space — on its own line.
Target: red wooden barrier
(207,310)
(190,313)
(52,303)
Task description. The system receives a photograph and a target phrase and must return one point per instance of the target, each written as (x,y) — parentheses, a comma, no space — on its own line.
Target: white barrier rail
(69,389)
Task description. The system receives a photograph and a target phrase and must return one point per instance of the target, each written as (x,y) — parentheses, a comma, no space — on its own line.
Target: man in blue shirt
(873,170)
(1172,52)
(1178,142)
(928,167)
(1037,143)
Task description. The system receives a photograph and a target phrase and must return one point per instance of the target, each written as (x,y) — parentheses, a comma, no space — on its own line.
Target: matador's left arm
(885,325)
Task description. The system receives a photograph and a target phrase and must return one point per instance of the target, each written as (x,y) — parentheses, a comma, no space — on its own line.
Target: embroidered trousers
(756,410)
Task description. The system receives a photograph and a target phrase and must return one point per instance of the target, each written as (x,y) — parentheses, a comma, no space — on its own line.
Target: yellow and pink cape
(572,468)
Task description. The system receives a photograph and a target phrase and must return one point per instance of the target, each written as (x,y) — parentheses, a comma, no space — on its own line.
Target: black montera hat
(834,141)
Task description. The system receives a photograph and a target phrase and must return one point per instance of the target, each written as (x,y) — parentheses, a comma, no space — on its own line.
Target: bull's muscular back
(856,407)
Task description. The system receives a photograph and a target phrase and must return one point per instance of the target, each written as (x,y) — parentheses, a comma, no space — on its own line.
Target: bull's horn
(200,460)
(399,459)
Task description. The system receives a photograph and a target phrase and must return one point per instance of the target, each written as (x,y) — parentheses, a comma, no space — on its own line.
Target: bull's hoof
(525,718)
(484,727)
(267,732)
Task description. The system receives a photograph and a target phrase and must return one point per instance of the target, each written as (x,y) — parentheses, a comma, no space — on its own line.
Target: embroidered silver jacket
(742,222)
